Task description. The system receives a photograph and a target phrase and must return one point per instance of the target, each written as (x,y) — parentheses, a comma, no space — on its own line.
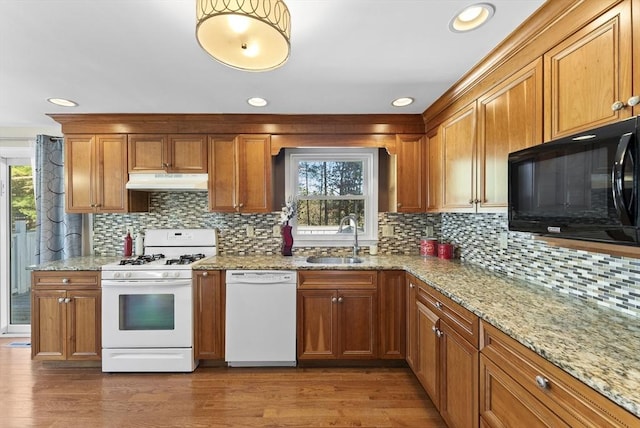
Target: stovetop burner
(142,260)
(185,259)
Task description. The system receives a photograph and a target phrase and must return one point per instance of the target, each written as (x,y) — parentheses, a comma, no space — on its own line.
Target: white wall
(23,137)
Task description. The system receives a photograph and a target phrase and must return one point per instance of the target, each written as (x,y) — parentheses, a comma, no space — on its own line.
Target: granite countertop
(596,345)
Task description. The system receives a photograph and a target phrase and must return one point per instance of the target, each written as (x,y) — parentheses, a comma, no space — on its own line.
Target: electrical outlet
(275,231)
(503,240)
(251,231)
(387,231)
(429,231)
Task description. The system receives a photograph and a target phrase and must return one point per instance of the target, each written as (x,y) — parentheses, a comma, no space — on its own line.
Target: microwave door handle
(617,179)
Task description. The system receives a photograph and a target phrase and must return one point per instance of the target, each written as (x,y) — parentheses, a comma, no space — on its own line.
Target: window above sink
(330,184)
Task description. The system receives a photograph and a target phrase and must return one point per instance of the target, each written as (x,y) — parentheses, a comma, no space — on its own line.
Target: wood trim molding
(348,124)
(385,141)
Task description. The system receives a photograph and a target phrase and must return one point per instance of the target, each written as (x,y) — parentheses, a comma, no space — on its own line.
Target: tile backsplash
(606,280)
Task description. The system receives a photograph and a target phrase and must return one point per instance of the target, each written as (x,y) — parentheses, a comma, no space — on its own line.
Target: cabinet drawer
(571,400)
(332,279)
(66,279)
(463,321)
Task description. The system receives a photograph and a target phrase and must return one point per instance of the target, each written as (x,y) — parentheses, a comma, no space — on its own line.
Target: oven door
(147,314)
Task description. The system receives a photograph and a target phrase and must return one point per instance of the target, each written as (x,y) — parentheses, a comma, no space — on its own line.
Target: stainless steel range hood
(168,182)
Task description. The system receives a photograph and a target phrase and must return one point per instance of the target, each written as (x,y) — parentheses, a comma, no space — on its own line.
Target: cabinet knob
(542,382)
(634,100)
(438,305)
(399,205)
(618,105)
(166,165)
(65,280)
(67,299)
(434,329)
(340,299)
(334,299)
(241,205)
(205,273)
(477,201)
(470,201)
(439,333)
(60,299)
(412,285)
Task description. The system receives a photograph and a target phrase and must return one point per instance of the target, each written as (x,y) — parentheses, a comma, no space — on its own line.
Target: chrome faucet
(351,218)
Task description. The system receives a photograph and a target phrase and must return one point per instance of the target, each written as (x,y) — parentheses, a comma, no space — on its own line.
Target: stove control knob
(128,274)
(165,274)
(116,275)
(176,274)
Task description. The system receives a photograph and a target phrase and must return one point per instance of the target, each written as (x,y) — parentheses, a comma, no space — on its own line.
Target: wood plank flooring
(35,394)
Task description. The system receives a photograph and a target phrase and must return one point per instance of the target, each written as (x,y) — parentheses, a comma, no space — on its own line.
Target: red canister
(428,247)
(445,251)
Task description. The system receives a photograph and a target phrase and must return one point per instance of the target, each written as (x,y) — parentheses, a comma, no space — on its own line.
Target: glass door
(17,246)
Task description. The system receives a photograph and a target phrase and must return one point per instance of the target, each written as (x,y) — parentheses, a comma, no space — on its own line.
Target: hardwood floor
(34,394)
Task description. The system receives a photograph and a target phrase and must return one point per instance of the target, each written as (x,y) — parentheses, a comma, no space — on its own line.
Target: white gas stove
(147,303)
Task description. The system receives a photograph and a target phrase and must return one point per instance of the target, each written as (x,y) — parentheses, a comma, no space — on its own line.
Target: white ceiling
(141,56)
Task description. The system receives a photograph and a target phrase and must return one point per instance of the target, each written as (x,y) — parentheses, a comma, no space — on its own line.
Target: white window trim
(370,191)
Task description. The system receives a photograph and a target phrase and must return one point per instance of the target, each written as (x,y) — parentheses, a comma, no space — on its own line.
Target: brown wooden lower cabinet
(209,315)
(518,385)
(337,315)
(444,360)
(66,316)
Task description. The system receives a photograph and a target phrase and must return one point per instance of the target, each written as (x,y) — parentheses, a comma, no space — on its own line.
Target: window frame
(369,159)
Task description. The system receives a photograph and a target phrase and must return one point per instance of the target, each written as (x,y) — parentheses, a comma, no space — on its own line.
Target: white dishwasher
(260,323)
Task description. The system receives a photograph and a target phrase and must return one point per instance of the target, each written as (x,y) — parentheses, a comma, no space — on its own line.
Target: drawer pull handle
(542,382)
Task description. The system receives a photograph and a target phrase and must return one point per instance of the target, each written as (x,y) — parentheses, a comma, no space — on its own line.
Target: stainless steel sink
(334,260)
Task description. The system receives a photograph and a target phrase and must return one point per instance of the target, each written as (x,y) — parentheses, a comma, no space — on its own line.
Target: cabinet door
(48,325)
(111,173)
(411,175)
(509,119)
(505,403)
(458,379)
(357,323)
(254,173)
(84,324)
(209,308)
(428,352)
(223,183)
(79,156)
(147,153)
(412,323)
(587,72)
(187,153)
(458,137)
(434,167)
(317,324)
(392,325)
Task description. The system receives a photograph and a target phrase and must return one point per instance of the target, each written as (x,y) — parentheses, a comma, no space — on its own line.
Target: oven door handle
(130,284)
(617,179)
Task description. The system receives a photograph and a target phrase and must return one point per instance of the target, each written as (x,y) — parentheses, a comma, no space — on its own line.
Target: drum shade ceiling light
(251,35)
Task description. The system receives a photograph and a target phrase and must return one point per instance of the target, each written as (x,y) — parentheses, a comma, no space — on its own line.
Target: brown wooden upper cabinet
(411,173)
(509,119)
(588,73)
(240,178)
(96,174)
(458,139)
(434,171)
(175,153)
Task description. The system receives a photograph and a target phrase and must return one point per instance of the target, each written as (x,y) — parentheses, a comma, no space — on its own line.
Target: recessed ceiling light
(257,102)
(62,102)
(402,102)
(472,17)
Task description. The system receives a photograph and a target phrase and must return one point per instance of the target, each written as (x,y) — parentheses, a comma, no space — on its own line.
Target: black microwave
(585,186)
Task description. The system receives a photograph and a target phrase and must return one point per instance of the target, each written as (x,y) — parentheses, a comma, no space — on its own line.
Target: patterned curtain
(58,234)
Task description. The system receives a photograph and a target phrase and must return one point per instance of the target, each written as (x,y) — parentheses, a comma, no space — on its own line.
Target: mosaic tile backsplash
(609,281)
